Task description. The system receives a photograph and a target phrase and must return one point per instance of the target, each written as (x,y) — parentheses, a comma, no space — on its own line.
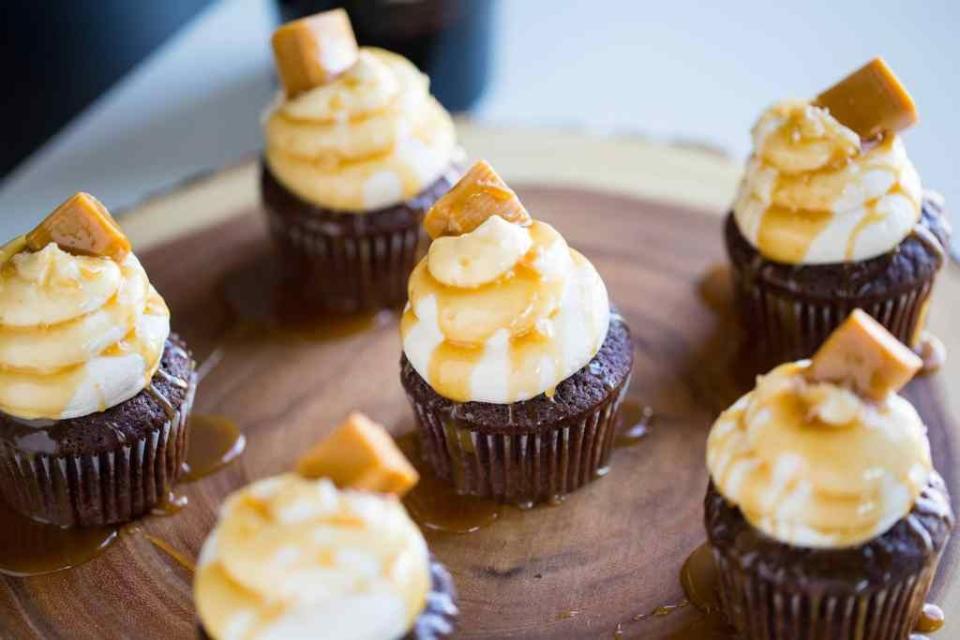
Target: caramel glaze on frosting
(370,138)
(812,464)
(503,313)
(78,334)
(815,193)
(297,558)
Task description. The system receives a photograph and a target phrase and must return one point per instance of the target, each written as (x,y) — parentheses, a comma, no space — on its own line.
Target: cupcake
(831,216)
(298,557)
(824,514)
(356,152)
(94,389)
(512,358)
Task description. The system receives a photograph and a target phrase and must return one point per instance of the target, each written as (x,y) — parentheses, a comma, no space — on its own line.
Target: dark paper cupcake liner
(102,488)
(522,468)
(344,261)
(789,310)
(347,273)
(761,609)
(789,326)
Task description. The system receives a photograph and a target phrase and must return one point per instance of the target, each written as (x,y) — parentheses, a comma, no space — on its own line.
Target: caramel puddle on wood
(931,619)
(259,300)
(433,504)
(215,441)
(633,423)
(569,613)
(698,577)
(173,504)
(31,548)
(176,555)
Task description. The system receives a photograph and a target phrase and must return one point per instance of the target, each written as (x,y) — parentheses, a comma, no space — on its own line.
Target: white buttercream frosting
(371,138)
(78,334)
(812,464)
(296,558)
(813,194)
(503,313)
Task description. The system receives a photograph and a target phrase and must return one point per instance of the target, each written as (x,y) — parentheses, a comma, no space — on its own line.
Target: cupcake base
(104,468)
(531,451)
(347,261)
(876,591)
(791,309)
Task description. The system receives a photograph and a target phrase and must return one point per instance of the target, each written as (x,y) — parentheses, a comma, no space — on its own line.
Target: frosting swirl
(296,558)
(78,334)
(503,313)
(369,139)
(813,194)
(782,454)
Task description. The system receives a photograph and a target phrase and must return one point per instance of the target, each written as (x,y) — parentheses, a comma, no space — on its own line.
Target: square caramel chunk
(360,454)
(81,226)
(863,355)
(479,194)
(314,50)
(871,101)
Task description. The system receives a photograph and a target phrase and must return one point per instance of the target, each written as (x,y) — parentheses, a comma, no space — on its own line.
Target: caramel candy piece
(81,226)
(360,454)
(871,101)
(313,51)
(861,353)
(479,194)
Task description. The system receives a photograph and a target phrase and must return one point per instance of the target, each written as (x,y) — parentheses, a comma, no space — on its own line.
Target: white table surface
(680,70)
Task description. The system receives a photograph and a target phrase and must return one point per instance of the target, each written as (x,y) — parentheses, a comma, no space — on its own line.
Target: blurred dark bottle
(449,40)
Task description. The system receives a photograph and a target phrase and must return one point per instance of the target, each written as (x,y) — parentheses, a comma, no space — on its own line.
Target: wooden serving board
(609,553)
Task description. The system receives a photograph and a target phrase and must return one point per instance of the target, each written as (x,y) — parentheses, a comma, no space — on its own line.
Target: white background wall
(674,70)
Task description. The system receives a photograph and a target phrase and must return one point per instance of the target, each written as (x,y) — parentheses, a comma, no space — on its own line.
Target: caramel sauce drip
(700,583)
(176,555)
(171,505)
(931,619)
(434,504)
(634,423)
(215,441)
(791,231)
(520,297)
(31,548)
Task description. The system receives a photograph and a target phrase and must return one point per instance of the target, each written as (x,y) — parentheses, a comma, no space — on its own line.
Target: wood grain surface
(609,553)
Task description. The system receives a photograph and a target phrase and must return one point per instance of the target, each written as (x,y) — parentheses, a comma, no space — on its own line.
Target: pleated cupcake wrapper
(761,610)
(522,468)
(346,272)
(98,489)
(790,327)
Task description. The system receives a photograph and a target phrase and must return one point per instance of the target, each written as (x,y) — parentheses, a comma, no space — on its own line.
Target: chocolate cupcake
(356,151)
(831,217)
(824,514)
(512,359)
(298,558)
(94,389)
